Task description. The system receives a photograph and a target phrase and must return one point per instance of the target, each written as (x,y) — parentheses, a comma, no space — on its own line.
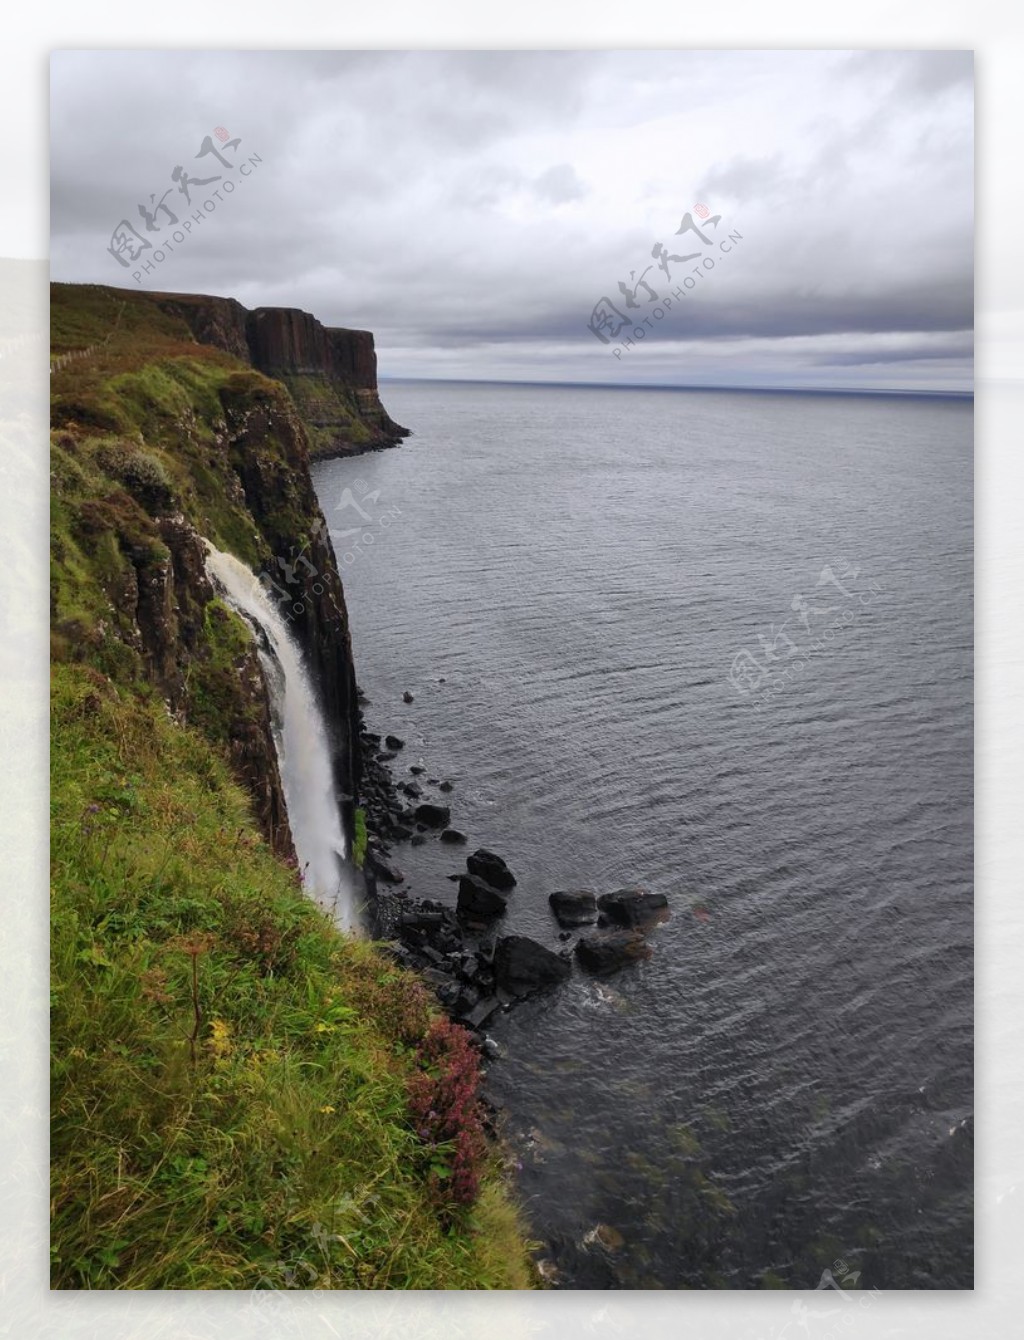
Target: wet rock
(394,742)
(478,899)
(452,835)
(384,869)
(416,927)
(385,756)
(432,816)
(407,697)
(482,1011)
(445,786)
(633,907)
(412,789)
(573,907)
(417,840)
(448,994)
(492,868)
(417,770)
(607,951)
(490,1049)
(521,965)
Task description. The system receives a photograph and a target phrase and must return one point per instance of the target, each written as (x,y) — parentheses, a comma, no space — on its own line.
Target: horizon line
(685,386)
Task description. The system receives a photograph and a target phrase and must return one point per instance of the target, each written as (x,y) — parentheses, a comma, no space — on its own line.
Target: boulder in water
(492,868)
(521,965)
(633,907)
(606,952)
(432,816)
(478,900)
(573,907)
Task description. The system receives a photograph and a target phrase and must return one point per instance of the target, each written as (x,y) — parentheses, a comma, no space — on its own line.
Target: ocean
(716,645)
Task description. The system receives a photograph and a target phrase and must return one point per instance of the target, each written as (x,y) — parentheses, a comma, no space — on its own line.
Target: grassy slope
(266,1142)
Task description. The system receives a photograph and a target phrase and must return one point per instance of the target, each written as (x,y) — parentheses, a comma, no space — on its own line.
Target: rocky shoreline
(475,970)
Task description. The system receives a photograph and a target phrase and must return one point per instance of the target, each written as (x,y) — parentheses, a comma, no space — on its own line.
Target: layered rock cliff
(331,372)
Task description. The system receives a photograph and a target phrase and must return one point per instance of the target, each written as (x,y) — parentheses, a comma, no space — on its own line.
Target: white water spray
(300,740)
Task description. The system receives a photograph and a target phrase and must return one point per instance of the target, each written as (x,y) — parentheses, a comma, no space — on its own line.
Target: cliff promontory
(331,372)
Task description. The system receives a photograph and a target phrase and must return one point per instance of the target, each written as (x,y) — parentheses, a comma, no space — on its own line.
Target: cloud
(471,207)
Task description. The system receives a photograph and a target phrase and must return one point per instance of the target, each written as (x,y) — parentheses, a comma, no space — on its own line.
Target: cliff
(237,1087)
(158,449)
(330,372)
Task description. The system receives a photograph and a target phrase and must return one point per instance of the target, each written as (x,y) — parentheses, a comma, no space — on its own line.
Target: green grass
(269,1136)
(230,1074)
(359,842)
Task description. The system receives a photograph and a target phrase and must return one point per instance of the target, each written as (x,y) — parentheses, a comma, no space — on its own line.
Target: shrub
(445,1107)
(141,472)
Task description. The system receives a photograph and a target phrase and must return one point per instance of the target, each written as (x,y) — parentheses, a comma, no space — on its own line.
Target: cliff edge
(331,372)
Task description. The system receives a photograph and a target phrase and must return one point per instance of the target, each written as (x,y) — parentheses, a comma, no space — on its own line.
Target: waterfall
(300,739)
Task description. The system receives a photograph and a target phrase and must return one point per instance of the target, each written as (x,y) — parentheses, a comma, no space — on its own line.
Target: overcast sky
(472,208)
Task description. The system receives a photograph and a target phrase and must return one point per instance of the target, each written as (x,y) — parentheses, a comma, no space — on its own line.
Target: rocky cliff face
(156,450)
(330,372)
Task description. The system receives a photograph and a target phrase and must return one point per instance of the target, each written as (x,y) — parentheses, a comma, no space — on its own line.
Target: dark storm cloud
(472,207)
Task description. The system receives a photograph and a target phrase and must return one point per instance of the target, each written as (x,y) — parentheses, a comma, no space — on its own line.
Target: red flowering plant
(445,1107)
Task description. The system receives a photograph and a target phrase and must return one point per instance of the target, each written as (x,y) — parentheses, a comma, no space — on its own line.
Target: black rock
(521,965)
(445,786)
(633,907)
(608,952)
(482,1011)
(394,742)
(412,789)
(417,839)
(452,835)
(491,868)
(416,769)
(384,869)
(407,697)
(385,756)
(573,907)
(400,833)
(468,997)
(416,927)
(448,994)
(433,816)
(477,899)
